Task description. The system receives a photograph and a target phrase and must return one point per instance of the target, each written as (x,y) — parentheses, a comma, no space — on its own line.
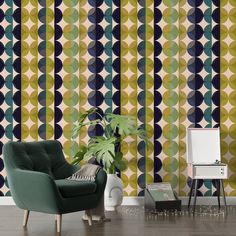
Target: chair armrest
(101,180)
(34,191)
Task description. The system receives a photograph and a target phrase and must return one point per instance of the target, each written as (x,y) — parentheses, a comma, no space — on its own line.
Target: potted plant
(106,149)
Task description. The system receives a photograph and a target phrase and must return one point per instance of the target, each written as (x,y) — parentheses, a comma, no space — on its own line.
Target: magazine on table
(161,191)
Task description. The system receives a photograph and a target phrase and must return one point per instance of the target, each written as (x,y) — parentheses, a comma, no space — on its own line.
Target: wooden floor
(129,221)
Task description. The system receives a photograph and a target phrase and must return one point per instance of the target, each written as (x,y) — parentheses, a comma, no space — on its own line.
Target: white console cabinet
(204,160)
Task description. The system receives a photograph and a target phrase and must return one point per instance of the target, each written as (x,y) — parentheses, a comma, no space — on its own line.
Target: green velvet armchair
(36,173)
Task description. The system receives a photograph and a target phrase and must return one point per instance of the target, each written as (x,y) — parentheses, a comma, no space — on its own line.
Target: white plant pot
(113,192)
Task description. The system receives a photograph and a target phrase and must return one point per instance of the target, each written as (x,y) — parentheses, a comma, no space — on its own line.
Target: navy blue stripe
(58,67)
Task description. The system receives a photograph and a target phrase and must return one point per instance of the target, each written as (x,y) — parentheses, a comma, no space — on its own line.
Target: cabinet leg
(218,191)
(223,191)
(195,196)
(191,192)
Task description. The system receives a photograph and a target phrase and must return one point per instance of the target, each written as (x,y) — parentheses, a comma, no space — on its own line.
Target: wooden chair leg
(89,217)
(26,217)
(59,219)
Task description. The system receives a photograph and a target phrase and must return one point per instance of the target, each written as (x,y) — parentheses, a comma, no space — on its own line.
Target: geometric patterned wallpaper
(170,63)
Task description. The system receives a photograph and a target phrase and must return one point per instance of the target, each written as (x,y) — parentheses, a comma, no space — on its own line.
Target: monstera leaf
(79,156)
(106,148)
(83,121)
(83,116)
(108,131)
(125,125)
(142,134)
(103,149)
(77,129)
(118,162)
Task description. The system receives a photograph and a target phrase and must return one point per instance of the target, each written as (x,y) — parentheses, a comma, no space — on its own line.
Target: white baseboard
(139,201)
(209,201)
(133,201)
(6,201)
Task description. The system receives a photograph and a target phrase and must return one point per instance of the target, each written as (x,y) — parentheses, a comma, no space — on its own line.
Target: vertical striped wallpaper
(170,63)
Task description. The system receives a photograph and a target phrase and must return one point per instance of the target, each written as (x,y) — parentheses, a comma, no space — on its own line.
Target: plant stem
(102,119)
(111,170)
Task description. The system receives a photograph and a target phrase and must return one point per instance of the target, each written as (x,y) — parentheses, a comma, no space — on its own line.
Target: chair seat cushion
(73,188)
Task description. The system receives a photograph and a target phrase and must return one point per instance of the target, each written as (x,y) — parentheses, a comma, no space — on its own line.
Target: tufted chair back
(43,156)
